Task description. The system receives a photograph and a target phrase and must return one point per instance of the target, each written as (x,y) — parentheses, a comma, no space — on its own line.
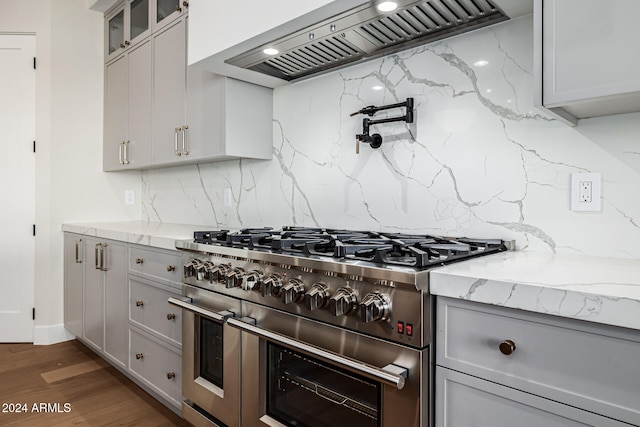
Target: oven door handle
(187,304)
(391,374)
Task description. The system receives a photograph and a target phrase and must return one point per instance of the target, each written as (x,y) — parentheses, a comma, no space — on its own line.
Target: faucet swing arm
(375,140)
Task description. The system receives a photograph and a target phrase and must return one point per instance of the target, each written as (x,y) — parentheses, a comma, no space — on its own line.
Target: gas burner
(389,249)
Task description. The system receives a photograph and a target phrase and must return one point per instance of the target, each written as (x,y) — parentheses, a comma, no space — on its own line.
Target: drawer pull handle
(171,375)
(139,303)
(507,347)
(139,260)
(171,316)
(139,356)
(171,268)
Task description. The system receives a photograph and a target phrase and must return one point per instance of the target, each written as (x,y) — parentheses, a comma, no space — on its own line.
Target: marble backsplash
(479,160)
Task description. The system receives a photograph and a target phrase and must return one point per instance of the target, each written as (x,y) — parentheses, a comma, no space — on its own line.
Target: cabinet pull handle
(139,303)
(171,375)
(122,45)
(78,260)
(139,356)
(103,257)
(171,316)
(171,268)
(139,260)
(185,3)
(127,43)
(97,256)
(120,153)
(126,152)
(178,8)
(184,140)
(507,347)
(175,141)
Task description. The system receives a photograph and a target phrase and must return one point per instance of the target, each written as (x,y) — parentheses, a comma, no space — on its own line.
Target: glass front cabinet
(133,20)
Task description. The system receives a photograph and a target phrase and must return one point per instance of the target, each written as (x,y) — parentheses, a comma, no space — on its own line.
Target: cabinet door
(581,64)
(138,148)
(93,294)
(73,280)
(166,11)
(139,22)
(466,401)
(116,112)
(114,34)
(116,302)
(169,94)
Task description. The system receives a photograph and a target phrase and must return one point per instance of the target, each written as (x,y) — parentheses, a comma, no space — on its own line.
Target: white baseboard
(51,334)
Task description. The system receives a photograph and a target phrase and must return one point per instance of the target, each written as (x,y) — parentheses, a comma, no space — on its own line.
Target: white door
(17,187)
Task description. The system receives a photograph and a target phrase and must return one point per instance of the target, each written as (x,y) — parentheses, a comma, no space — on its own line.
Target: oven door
(299,372)
(210,358)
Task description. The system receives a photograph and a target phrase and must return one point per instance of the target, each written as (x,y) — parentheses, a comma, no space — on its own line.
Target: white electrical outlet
(586,189)
(129,197)
(228,197)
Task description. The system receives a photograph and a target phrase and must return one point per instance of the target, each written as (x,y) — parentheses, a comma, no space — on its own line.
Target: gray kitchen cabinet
(128,95)
(199,116)
(127,23)
(105,298)
(535,359)
(580,72)
(73,282)
(466,401)
(155,326)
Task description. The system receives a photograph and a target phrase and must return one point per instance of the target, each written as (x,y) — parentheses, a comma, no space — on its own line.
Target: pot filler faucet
(375,140)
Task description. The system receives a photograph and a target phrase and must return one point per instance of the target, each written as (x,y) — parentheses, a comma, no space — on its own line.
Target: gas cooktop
(417,251)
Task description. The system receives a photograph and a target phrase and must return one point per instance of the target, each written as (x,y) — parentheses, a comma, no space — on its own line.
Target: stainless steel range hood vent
(366,33)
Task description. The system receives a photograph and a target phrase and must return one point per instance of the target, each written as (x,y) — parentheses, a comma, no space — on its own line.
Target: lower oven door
(298,372)
(210,358)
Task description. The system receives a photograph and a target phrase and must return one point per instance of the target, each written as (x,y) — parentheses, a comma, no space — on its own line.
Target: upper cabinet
(158,111)
(128,24)
(586,57)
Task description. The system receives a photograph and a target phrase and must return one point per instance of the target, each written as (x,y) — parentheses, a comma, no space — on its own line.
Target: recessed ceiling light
(387,6)
(271,51)
(377,88)
(481,63)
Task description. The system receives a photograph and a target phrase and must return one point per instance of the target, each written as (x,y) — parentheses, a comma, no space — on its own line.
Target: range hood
(358,34)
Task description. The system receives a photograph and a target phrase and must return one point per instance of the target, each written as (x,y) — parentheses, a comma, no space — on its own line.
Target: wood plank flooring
(67,384)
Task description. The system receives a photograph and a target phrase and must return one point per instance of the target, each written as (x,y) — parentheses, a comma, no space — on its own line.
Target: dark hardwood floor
(67,384)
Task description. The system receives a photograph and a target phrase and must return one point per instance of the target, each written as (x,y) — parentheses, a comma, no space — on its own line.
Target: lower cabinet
(115,297)
(157,364)
(466,401)
(498,366)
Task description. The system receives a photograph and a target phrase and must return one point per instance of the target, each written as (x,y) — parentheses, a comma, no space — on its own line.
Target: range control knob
(205,270)
(293,291)
(200,270)
(251,280)
(217,273)
(272,285)
(234,278)
(317,297)
(374,307)
(190,268)
(343,302)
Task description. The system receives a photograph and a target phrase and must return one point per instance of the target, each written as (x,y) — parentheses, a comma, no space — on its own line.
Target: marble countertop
(154,234)
(602,290)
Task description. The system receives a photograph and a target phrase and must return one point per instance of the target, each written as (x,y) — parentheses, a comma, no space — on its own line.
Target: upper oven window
(211,346)
(303,391)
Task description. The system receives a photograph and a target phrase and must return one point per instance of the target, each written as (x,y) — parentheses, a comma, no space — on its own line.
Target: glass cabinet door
(168,10)
(139,18)
(116,33)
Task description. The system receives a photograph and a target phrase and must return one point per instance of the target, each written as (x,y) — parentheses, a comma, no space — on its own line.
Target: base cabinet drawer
(148,308)
(466,401)
(156,264)
(589,366)
(156,364)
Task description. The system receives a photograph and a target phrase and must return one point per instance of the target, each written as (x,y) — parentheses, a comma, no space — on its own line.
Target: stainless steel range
(309,326)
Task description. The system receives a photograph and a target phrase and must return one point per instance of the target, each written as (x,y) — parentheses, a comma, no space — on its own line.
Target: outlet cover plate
(577,180)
